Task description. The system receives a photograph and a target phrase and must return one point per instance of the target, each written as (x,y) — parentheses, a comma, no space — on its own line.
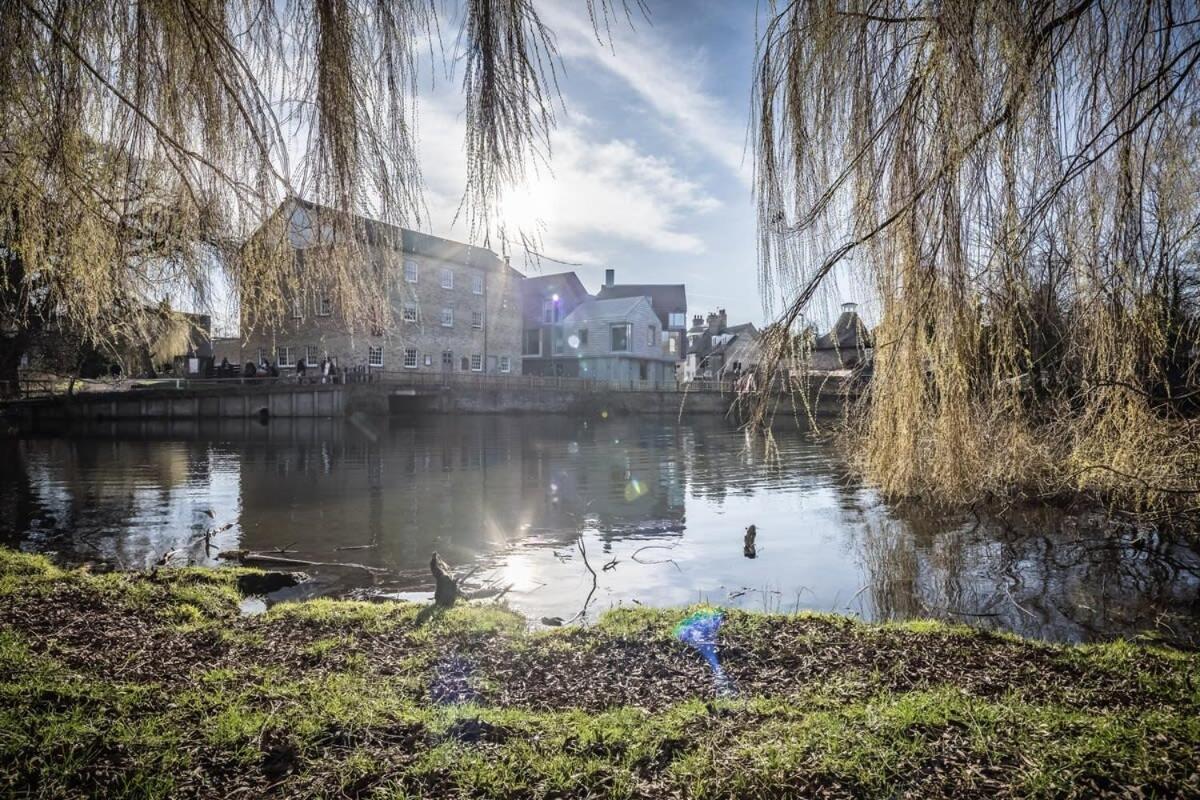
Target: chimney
(610,277)
(697,321)
(722,320)
(849,308)
(714,323)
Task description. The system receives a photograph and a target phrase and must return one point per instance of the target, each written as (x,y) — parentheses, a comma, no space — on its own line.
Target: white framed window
(297,309)
(410,358)
(286,356)
(311,355)
(262,354)
(447,279)
(410,312)
(677,319)
(672,345)
(476,362)
(447,317)
(476,284)
(476,319)
(411,272)
(324,306)
(375,356)
(651,336)
(505,364)
(428,360)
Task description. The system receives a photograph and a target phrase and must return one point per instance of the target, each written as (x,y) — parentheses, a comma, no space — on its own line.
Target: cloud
(664,78)
(596,193)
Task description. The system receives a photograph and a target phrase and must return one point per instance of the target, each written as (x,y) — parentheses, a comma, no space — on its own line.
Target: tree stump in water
(446,591)
(749,550)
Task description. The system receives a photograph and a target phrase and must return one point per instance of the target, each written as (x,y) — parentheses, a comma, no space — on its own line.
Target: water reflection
(662,507)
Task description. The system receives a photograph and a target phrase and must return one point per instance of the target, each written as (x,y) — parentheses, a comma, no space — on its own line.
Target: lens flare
(699,631)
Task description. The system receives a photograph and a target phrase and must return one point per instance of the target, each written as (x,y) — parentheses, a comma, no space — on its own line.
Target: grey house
(618,339)
(546,300)
(669,301)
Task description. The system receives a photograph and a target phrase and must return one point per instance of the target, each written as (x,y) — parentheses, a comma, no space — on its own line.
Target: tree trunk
(447,588)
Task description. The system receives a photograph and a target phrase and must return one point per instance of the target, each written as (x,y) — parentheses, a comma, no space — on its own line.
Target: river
(660,508)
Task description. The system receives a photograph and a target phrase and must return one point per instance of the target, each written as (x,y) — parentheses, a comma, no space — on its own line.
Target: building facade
(451,307)
(618,340)
(546,301)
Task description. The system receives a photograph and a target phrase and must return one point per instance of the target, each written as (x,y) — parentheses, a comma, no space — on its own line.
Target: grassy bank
(140,685)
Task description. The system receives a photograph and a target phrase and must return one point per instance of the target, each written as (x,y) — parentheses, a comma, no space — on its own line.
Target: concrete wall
(276,401)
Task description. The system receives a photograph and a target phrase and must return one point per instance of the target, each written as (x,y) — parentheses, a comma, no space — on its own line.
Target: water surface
(659,507)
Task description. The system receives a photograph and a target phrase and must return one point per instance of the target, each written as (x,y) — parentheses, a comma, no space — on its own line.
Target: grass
(151,685)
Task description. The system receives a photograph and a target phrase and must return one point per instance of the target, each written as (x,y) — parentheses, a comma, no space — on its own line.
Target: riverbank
(153,685)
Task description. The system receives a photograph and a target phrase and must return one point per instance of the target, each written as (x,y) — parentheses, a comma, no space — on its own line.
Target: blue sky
(649,171)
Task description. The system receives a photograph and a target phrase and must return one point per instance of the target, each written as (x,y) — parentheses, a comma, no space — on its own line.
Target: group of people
(327,370)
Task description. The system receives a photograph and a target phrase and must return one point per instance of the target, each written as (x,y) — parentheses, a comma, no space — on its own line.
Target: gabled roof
(666,298)
(848,333)
(557,282)
(613,309)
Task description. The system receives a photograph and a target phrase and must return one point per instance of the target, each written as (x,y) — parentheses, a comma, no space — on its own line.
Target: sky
(649,170)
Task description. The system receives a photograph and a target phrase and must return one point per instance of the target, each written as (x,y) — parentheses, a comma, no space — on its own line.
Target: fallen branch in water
(355,547)
(670,561)
(588,600)
(250,558)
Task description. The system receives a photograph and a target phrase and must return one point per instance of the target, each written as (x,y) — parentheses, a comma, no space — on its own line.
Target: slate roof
(616,309)
(666,298)
(848,333)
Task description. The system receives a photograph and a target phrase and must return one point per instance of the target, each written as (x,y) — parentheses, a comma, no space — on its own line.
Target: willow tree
(141,140)
(1018,183)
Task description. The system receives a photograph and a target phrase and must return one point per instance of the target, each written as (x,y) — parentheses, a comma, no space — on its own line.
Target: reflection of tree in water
(89,498)
(1040,576)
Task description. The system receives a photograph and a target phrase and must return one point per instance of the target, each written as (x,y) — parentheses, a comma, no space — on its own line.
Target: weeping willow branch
(1017,185)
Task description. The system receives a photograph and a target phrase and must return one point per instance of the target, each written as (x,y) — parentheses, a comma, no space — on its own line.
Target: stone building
(717,349)
(846,346)
(451,307)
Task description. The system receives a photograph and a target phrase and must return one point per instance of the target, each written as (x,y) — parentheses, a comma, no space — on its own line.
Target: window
(476,284)
(619,337)
(447,279)
(297,309)
(476,362)
(447,360)
(262,354)
(325,306)
(505,364)
(466,363)
(311,355)
(410,358)
(447,317)
(672,345)
(285,357)
(551,310)
(428,360)
(476,319)
(375,356)
(582,336)
(531,342)
(652,336)
(410,271)
(556,337)
(677,319)
(410,312)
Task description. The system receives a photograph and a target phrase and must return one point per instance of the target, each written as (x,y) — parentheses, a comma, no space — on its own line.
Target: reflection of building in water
(458,485)
(124,501)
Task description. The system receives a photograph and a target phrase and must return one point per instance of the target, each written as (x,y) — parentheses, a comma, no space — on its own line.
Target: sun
(528,206)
